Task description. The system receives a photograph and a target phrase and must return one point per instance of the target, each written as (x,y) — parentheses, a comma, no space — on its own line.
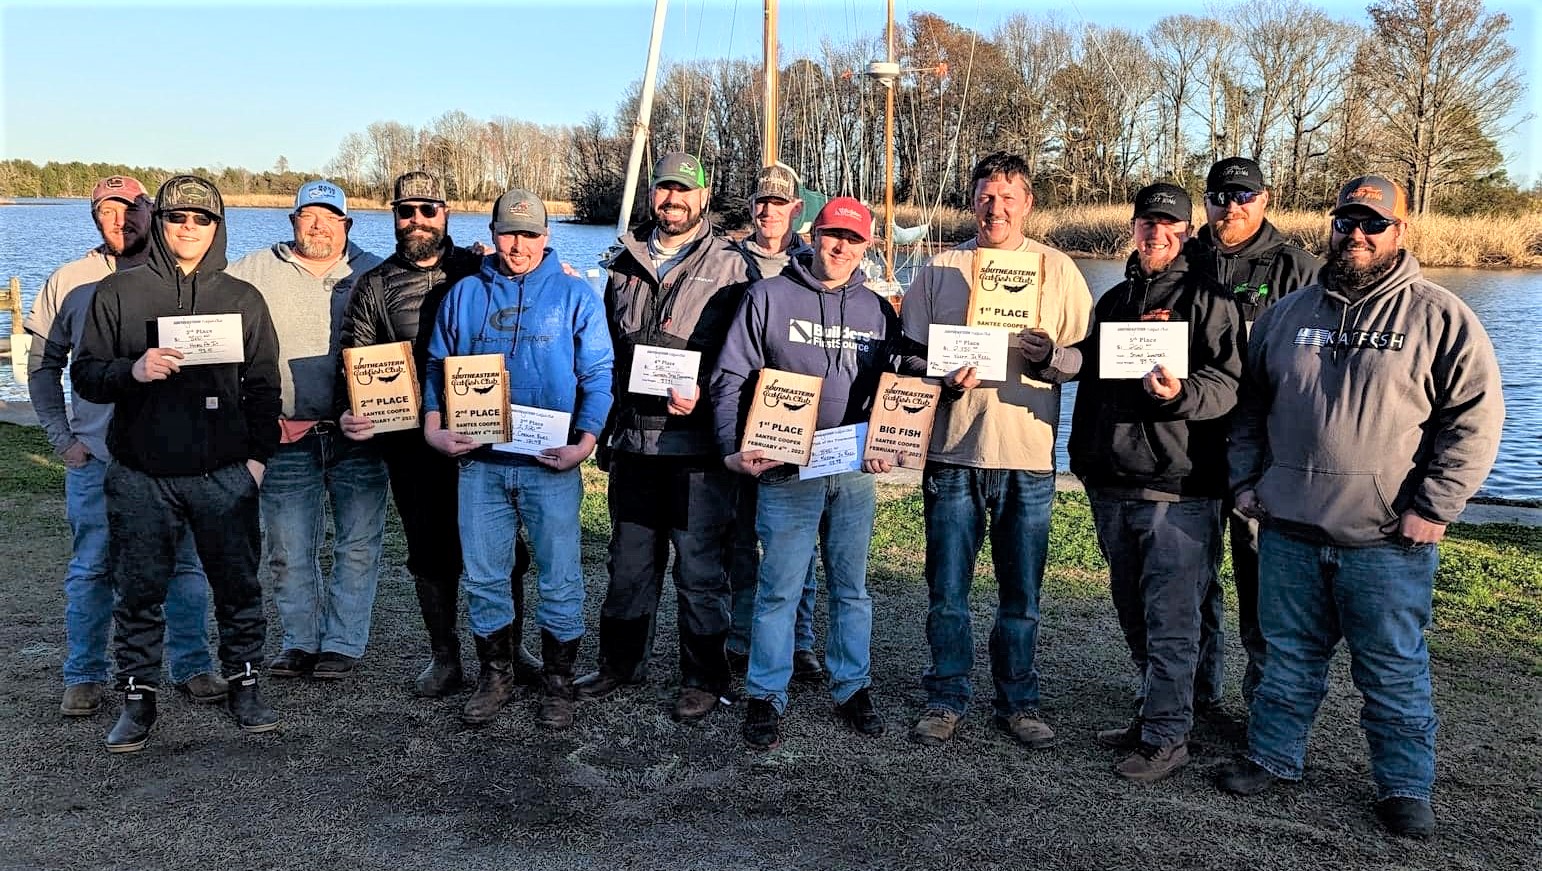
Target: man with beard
(396,302)
(78,434)
(306,283)
(674,284)
(189,441)
(1152,454)
(1371,413)
(775,209)
(990,469)
(1245,256)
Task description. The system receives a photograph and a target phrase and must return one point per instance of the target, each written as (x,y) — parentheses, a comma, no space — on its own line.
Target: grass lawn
(364,776)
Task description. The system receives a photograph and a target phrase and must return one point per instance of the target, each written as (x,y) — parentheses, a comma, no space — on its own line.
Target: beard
(680,226)
(1345,276)
(1151,264)
(315,248)
(416,242)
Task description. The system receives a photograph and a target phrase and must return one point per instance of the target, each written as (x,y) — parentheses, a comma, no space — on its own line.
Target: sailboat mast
(770,107)
(644,116)
(888,154)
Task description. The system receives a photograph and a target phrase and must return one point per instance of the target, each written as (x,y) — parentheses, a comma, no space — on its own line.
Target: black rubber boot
(495,684)
(556,711)
(622,645)
(443,675)
(246,705)
(132,731)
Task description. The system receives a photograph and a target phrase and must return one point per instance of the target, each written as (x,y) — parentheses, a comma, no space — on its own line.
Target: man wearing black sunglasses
(1244,256)
(396,302)
(1371,413)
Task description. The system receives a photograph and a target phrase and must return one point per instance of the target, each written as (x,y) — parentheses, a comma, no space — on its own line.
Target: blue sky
(238,84)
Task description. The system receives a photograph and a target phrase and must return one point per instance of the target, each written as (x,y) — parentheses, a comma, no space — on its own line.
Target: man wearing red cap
(817,318)
(121,210)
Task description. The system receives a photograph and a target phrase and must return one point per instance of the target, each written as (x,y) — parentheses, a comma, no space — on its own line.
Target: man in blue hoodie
(817,318)
(551,329)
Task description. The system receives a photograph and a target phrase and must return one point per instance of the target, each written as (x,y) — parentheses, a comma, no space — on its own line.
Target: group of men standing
(1351,490)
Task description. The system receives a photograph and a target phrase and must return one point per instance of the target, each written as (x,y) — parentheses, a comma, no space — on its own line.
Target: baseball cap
(189,192)
(519,211)
(117,187)
(1378,193)
(1164,199)
(321,193)
(1235,173)
(776,181)
(417,185)
(680,167)
(845,213)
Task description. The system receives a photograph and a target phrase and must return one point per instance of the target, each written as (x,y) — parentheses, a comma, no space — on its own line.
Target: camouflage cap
(519,211)
(776,181)
(417,185)
(189,192)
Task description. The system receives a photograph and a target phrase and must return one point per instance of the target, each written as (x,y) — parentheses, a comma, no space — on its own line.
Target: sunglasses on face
(177,219)
(407,210)
(1226,198)
(1372,226)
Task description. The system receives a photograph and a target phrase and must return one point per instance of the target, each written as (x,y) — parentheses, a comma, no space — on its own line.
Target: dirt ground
(362,776)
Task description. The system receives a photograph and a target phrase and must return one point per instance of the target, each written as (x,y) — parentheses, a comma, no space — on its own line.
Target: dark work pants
(146,516)
(423,486)
(1161,560)
(655,502)
(1210,679)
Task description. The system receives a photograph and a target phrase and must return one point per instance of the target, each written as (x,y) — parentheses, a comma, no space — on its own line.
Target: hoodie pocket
(1349,507)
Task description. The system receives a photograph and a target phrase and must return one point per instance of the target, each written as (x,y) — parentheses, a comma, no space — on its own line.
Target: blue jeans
(88,591)
(743,610)
(495,498)
(793,518)
(327,615)
(1378,600)
(960,502)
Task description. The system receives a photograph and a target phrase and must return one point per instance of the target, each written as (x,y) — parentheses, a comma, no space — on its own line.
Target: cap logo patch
(848,213)
(1236,170)
(115,182)
(1367,192)
(520,209)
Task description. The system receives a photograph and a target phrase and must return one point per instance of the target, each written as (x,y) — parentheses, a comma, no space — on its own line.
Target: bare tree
(1179,44)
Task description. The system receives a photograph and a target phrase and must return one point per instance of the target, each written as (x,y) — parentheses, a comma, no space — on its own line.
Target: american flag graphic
(1313,336)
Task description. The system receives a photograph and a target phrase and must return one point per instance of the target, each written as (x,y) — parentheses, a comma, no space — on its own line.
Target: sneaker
(762,725)
(334,666)
(293,662)
(1027,728)
(936,727)
(1124,738)
(1150,763)
(806,667)
(1406,817)
(859,713)
(1245,777)
(81,700)
(205,689)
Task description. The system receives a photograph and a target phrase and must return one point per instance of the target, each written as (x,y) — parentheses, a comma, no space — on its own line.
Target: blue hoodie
(551,330)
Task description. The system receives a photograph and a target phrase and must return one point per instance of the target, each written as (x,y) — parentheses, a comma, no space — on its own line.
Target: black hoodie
(1126,441)
(1265,269)
(201,418)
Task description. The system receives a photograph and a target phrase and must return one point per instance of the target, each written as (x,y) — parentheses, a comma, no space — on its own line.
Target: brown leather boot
(495,685)
(556,711)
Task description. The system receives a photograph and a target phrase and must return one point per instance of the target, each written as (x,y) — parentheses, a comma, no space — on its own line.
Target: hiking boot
(293,662)
(557,658)
(1027,728)
(246,705)
(762,725)
(1150,763)
(334,666)
(495,682)
(1406,817)
(132,731)
(936,727)
(441,677)
(806,667)
(599,683)
(859,713)
(205,689)
(1123,739)
(1245,777)
(694,703)
(81,700)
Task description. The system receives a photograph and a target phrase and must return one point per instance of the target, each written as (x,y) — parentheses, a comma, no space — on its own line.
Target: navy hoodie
(847,335)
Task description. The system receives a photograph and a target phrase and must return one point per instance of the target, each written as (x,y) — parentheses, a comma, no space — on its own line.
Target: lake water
(38,235)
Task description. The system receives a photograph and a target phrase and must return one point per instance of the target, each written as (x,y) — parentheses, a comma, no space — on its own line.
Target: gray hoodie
(1353,413)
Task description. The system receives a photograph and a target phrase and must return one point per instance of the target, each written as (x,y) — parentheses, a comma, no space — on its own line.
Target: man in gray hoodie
(1371,412)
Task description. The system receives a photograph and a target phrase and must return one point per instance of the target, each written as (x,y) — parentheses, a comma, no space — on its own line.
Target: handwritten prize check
(655,370)
(204,340)
(949,347)
(836,450)
(1131,350)
(534,430)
